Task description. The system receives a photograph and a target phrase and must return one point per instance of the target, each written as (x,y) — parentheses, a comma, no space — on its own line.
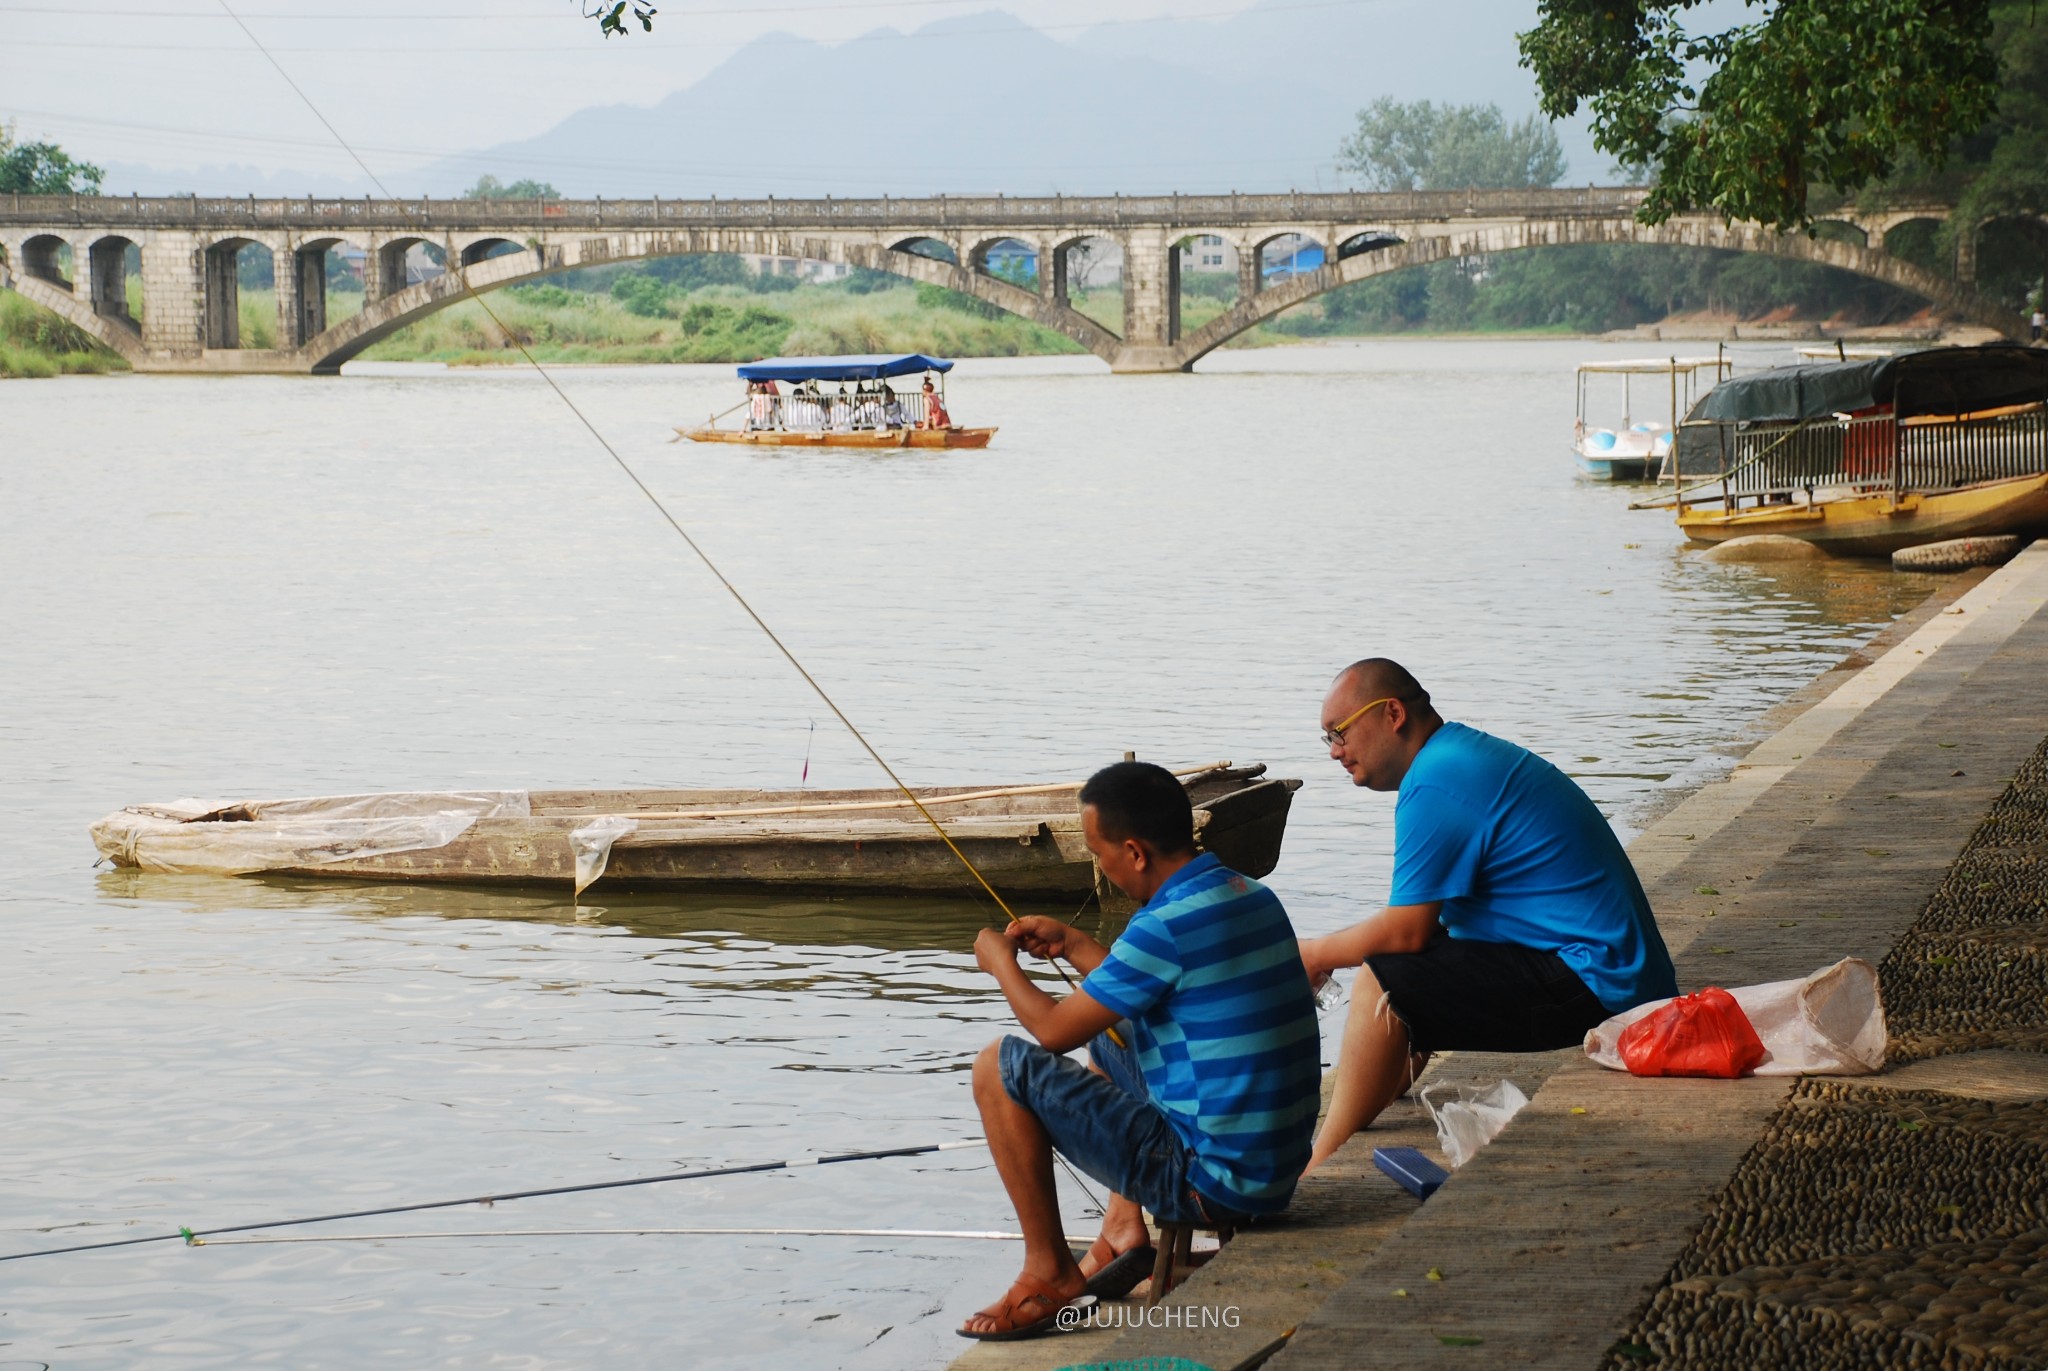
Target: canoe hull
(1872,526)
(865,438)
(819,841)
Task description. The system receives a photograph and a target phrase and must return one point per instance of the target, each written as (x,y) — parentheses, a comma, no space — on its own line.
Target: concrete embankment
(1893,1220)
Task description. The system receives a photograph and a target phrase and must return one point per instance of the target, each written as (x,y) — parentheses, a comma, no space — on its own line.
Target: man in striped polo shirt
(1204,1113)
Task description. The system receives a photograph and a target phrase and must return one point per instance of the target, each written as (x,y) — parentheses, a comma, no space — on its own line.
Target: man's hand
(1041,936)
(993,949)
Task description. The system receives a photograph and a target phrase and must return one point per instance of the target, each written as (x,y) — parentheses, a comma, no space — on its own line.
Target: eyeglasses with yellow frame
(1334,737)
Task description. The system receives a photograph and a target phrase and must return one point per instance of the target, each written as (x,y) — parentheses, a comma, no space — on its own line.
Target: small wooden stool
(1176,1255)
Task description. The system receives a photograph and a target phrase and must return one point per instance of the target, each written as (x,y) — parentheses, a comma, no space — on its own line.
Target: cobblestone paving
(1875,1227)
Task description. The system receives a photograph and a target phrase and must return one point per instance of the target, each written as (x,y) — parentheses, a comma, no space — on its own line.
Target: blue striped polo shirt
(1210,975)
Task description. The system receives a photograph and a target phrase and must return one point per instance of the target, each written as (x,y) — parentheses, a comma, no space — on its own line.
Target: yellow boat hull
(862,438)
(1873,526)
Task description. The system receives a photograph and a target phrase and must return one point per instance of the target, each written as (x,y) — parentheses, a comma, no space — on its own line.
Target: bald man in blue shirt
(1515,922)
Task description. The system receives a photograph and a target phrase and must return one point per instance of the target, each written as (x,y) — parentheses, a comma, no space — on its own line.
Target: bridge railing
(430,215)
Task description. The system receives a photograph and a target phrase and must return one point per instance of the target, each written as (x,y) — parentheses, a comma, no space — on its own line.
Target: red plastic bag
(1695,1035)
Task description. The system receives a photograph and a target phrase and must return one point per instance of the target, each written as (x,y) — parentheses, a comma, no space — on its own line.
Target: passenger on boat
(1515,923)
(935,415)
(892,408)
(1203,1113)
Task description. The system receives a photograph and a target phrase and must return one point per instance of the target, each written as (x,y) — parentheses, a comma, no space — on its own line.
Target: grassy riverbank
(35,342)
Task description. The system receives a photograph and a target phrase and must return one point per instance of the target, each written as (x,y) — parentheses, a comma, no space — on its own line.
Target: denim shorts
(1106,1125)
(1462,995)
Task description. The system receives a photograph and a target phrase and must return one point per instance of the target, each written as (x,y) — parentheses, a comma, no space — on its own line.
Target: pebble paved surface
(1876,1227)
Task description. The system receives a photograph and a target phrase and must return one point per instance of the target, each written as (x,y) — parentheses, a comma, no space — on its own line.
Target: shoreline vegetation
(716,308)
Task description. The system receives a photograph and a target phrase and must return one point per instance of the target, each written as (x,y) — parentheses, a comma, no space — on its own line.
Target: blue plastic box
(1418,1175)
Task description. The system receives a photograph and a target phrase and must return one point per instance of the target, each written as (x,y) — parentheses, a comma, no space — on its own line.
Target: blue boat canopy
(870,367)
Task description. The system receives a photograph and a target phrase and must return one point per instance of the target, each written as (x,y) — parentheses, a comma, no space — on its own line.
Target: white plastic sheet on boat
(271,835)
(1828,1024)
(592,845)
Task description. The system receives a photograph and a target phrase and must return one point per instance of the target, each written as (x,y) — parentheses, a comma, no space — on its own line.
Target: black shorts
(1457,995)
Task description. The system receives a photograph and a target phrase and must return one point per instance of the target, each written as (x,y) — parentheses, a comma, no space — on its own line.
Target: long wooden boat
(1025,839)
(863,438)
(1877,525)
(862,410)
(1864,458)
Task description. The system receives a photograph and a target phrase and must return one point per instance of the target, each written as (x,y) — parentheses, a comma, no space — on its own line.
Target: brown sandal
(1008,1311)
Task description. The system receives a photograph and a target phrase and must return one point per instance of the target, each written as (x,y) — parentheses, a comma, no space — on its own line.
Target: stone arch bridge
(188,249)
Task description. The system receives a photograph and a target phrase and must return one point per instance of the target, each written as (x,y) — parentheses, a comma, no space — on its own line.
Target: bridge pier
(1151,303)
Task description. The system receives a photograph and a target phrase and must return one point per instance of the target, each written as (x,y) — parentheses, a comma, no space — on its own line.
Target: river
(276,586)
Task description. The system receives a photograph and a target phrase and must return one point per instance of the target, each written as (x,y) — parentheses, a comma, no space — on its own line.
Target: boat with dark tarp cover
(843,402)
(1025,839)
(1863,458)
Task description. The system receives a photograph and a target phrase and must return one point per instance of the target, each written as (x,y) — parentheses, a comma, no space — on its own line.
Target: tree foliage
(491,188)
(1747,120)
(43,169)
(1424,146)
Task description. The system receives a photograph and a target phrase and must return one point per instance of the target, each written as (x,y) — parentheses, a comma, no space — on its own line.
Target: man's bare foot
(1115,1240)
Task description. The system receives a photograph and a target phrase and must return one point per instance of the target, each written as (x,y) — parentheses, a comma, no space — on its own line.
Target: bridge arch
(1363,240)
(928,246)
(1842,231)
(1700,233)
(1002,255)
(106,278)
(42,257)
(485,248)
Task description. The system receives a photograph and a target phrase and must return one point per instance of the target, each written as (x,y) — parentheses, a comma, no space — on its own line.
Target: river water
(266,586)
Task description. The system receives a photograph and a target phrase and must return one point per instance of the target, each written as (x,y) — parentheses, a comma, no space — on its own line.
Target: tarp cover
(868,367)
(273,835)
(1936,381)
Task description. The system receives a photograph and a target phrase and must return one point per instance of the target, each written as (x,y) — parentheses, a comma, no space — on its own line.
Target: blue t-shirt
(1518,854)
(1210,976)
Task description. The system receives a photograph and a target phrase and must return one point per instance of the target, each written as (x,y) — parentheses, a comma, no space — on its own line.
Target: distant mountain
(981,103)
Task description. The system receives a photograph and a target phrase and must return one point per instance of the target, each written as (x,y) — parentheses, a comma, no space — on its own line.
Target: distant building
(1289,255)
(1011,260)
(803,268)
(1207,252)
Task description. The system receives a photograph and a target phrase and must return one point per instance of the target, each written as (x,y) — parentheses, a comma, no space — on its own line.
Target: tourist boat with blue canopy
(1863,458)
(843,402)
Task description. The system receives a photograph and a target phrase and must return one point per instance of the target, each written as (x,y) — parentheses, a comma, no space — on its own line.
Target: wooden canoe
(860,438)
(1873,526)
(1025,839)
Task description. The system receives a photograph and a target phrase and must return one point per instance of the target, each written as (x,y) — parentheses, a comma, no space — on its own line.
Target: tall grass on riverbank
(716,324)
(35,342)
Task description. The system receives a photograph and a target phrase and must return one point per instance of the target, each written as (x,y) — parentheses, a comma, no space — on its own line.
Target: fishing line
(462,275)
(975,1234)
(191,1236)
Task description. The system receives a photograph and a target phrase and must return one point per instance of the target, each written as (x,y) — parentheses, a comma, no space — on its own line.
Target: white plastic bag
(1473,1118)
(1828,1024)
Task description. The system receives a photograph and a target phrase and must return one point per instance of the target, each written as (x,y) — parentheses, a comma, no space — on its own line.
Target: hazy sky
(175,83)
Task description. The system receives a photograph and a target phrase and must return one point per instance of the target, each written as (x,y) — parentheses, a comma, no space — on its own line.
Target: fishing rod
(192,1237)
(461,275)
(976,1235)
